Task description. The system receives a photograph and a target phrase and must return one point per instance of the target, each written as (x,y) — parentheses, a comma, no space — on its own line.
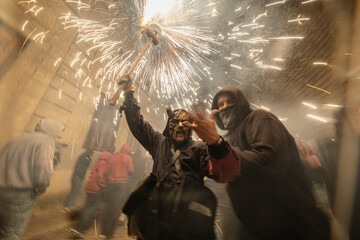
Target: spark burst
(168,69)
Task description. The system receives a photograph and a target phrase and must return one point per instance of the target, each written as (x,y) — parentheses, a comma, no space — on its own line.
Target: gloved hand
(127,81)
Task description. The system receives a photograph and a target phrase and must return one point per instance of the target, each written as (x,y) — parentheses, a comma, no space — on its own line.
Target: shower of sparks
(317,118)
(173,68)
(168,69)
(318,88)
(310,105)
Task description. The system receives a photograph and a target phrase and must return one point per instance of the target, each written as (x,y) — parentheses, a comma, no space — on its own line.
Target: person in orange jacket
(95,184)
(117,174)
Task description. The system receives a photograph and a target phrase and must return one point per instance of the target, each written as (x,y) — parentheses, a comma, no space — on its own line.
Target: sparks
(318,88)
(286,38)
(235,66)
(309,1)
(320,63)
(275,3)
(310,105)
(317,118)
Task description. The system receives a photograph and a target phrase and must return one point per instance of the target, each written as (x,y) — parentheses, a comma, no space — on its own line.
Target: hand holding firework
(123,83)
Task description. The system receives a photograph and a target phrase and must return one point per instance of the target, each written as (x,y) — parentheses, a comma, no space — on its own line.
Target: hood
(242,106)
(125,148)
(105,156)
(50,127)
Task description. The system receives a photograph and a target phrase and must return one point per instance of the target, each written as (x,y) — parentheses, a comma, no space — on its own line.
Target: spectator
(117,174)
(26,166)
(94,187)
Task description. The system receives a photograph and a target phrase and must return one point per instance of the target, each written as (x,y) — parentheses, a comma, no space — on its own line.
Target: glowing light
(278,59)
(57,61)
(317,118)
(333,105)
(214,13)
(235,66)
(235,55)
(238,9)
(155,9)
(310,105)
(320,63)
(23,27)
(265,108)
(286,38)
(309,1)
(298,20)
(275,3)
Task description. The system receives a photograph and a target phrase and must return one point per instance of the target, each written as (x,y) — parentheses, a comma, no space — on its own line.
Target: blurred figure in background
(94,187)
(81,166)
(26,166)
(139,168)
(328,150)
(117,175)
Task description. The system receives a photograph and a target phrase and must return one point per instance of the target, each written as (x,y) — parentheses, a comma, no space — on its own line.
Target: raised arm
(141,129)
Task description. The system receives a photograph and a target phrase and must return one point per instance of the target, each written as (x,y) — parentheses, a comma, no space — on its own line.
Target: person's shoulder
(260,114)
(38,138)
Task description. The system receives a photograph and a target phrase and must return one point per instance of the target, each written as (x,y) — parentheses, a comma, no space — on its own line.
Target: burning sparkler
(170,68)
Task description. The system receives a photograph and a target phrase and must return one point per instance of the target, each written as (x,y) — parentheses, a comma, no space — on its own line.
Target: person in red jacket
(95,184)
(117,174)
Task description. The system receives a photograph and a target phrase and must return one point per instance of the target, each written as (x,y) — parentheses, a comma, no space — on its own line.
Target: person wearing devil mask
(258,158)
(192,159)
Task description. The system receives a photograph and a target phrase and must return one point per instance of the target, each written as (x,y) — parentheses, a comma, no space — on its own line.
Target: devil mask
(177,130)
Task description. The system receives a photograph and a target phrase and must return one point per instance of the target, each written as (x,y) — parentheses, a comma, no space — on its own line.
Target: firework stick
(152,38)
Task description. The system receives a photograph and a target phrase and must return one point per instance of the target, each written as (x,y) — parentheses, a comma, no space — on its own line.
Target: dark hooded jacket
(192,158)
(271,195)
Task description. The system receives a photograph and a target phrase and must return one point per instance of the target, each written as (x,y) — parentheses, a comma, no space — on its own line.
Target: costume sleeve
(44,155)
(141,129)
(224,162)
(265,158)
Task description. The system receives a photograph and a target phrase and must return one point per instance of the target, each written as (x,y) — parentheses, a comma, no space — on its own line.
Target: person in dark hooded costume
(192,157)
(258,158)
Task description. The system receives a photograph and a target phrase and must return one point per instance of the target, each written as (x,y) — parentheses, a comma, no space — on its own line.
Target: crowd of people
(257,182)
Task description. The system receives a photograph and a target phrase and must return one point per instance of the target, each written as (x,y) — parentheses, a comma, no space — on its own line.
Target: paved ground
(47,222)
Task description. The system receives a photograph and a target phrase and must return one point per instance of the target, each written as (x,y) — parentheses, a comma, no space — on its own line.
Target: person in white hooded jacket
(26,166)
